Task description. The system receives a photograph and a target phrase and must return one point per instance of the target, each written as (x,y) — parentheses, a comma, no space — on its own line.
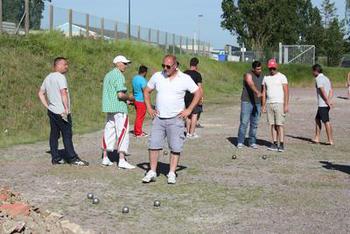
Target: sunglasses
(167,66)
(126,64)
(272,68)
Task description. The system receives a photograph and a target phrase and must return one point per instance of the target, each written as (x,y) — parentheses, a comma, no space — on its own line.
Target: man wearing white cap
(114,104)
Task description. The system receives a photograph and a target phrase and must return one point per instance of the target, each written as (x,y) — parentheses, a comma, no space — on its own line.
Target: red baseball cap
(272,63)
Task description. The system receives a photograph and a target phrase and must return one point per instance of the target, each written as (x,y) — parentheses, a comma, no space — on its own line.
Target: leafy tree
(334,42)
(13,11)
(261,24)
(328,11)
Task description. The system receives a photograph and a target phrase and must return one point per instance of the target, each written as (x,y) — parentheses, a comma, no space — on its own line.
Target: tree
(328,12)
(333,43)
(13,11)
(261,24)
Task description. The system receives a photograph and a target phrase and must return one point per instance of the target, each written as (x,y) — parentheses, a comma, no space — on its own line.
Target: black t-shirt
(197,78)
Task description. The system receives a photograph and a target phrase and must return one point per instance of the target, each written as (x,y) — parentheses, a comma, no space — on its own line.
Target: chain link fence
(73,23)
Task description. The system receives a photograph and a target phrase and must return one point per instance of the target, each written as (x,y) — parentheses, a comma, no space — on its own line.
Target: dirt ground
(306,189)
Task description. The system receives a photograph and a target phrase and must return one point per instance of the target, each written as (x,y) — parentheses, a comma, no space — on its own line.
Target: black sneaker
(281,148)
(273,147)
(79,162)
(59,162)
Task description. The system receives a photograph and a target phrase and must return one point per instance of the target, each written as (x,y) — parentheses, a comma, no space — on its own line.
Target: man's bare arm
(263,98)
(64,96)
(286,97)
(249,80)
(324,96)
(125,97)
(42,97)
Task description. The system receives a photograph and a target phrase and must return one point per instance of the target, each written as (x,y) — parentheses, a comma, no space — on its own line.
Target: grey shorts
(173,129)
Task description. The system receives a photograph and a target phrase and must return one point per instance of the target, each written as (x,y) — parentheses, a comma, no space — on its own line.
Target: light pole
(129,21)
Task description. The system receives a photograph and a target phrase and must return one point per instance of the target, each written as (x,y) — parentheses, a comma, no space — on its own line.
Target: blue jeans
(250,113)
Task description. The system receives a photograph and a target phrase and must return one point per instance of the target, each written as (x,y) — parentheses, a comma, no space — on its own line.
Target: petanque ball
(165,152)
(156,203)
(95,200)
(264,157)
(90,196)
(234,156)
(125,210)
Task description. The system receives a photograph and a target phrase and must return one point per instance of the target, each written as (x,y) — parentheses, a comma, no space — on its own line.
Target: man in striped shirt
(114,103)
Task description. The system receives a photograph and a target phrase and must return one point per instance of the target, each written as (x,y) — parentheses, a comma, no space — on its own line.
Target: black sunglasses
(167,66)
(272,68)
(126,64)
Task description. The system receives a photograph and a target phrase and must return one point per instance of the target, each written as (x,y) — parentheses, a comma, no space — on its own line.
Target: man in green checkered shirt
(115,104)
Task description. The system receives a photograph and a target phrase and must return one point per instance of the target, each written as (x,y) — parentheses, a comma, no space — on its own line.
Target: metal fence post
(51,17)
(173,43)
(0,16)
(186,45)
(180,44)
(116,31)
(87,25)
(139,33)
(128,31)
(149,35)
(209,49)
(193,46)
(158,37)
(26,21)
(166,42)
(102,28)
(70,21)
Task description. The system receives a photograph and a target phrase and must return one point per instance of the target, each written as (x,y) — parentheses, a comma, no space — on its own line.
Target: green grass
(25,61)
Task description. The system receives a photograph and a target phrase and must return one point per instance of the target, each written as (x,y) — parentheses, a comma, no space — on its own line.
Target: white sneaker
(149,177)
(125,165)
(240,145)
(106,162)
(189,135)
(254,146)
(171,178)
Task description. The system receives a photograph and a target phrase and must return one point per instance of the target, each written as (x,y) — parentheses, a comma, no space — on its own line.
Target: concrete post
(70,22)
(87,25)
(51,17)
(26,20)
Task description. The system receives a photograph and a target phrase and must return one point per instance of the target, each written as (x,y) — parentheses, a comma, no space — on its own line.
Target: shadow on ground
(338,167)
(233,141)
(307,140)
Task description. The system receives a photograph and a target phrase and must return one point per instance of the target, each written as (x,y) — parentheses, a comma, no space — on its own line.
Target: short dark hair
(142,69)
(256,64)
(194,62)
(317,67)
(58,59)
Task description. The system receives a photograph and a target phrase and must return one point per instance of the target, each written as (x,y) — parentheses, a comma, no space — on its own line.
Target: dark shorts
(323,114)
(198,109)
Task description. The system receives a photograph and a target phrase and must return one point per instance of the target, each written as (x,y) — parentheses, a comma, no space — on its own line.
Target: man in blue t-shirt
(138,84)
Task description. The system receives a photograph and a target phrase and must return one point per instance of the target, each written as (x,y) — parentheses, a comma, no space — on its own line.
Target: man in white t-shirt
(324,102)
(54,96)
(276,95)
(169,115)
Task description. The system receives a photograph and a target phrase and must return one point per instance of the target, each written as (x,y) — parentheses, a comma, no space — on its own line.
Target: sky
(192,18)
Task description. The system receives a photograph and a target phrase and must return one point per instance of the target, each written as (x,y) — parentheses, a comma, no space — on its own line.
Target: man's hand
(263,109)
(152,112)
(258,94)
(285,109)
(185,113)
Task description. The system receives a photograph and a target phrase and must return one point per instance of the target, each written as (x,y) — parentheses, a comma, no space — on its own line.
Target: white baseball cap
(121,59)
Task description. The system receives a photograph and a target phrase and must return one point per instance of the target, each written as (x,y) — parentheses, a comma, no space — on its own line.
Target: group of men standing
(270,93)
(169,115)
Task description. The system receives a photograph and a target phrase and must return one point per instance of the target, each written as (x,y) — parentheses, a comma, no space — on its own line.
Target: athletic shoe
(273,147)
(149,177)
(106,162)
(171,178)
(125,165)
(281,148)
(240,145)
(199,126)
(79,162)
(254,146)
(142,135)
(59,162)
(192,136)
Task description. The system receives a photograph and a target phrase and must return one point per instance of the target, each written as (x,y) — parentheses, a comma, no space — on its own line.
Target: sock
(281,143)
(275,142)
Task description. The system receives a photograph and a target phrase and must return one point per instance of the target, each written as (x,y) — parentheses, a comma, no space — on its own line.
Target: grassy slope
(24,62)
